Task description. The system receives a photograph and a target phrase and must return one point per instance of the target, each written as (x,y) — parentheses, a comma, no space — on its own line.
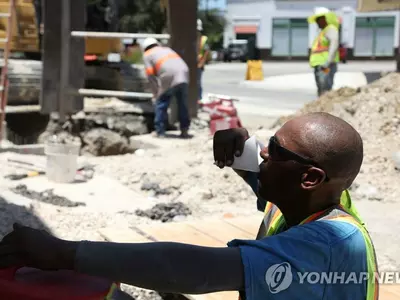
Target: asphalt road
(262,105)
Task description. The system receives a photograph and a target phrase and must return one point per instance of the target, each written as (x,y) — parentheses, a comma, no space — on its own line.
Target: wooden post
(51,56)
(60,52)
(182,20)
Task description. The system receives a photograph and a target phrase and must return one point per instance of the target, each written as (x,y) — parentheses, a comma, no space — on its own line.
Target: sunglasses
(277,152)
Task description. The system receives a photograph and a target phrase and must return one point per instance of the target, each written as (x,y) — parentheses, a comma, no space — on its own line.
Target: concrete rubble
(174,179)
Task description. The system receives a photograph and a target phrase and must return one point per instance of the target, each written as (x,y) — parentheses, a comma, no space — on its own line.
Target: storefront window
(374,36)
(290,37)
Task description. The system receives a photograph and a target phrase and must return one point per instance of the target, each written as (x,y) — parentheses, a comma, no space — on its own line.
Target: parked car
(237,50)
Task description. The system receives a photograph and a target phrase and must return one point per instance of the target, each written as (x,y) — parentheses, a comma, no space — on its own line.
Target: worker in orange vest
(202,58)
(304,171)
(169,77)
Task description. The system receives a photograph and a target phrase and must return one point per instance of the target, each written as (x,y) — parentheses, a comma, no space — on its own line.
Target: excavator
(104,67)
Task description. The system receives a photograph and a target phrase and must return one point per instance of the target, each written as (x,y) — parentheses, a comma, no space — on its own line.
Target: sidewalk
(306,82)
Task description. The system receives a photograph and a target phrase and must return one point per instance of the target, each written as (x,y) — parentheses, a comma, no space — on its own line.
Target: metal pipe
(107,93)
(120,35)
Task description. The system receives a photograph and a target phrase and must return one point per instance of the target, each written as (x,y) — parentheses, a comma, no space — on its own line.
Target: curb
(306,81)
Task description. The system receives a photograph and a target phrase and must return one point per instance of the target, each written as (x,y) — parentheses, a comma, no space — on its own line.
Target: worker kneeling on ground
(325,49)
(308,163)
(169,77)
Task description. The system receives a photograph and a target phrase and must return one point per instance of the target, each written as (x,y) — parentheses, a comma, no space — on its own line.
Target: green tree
(213,26)
(145,16)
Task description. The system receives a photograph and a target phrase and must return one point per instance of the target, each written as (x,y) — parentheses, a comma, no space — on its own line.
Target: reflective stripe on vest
(154,70)
(274,221)
(320,49)
(372,266)
(273,218)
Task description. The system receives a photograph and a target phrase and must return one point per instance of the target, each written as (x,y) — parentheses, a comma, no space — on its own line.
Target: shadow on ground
(11,213)
(372,76)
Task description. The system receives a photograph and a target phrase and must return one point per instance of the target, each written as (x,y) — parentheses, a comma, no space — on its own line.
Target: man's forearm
(164,267)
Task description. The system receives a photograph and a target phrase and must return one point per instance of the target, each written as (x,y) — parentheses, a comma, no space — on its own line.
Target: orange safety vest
(154,70)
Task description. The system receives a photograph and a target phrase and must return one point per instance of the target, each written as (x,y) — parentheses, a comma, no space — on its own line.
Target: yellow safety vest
(320,49)
(202,50)
(274,222)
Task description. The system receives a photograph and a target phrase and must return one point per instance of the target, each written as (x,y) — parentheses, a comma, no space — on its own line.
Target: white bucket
(62,162)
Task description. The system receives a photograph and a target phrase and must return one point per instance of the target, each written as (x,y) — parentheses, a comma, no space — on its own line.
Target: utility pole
(182,20)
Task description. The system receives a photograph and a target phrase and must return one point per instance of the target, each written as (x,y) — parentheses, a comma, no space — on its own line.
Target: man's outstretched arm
(164,267)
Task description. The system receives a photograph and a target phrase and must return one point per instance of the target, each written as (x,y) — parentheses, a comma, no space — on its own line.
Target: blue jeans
(325,81)
(180,92)
(200,89)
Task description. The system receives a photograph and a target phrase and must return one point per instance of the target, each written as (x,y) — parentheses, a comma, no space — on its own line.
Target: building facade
(282,31)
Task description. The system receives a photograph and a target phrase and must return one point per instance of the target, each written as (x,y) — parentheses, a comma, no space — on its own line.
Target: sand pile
(374,110)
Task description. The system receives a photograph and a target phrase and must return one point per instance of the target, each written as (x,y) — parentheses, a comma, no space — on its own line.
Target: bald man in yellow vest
(325,49)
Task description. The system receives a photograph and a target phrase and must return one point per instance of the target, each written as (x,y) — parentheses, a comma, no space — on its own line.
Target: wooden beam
(77,51)
(182,20)
(59,53)
(51,56)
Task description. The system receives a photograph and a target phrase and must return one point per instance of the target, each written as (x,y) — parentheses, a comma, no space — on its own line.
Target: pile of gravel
(374,110)
(165,212)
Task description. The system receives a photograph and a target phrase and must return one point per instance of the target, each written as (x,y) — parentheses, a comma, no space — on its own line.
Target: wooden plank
(249,224)
(215,296)
(220,230)
(122,235)
(389,292)
(181,233)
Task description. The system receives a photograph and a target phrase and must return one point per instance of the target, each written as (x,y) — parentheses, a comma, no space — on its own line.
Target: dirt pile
(374,110)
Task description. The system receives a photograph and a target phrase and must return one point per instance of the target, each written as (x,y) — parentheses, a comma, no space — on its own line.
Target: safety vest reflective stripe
(110,294)
(372,284)
(154,70)
(320,49)
(273,224)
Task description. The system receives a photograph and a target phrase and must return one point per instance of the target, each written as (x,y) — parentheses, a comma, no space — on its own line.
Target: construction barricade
(222,112)
(254,70)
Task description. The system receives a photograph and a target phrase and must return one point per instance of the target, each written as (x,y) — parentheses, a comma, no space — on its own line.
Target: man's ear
(312,178)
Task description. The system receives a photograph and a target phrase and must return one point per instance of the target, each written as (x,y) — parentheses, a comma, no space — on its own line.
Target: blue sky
(212,4)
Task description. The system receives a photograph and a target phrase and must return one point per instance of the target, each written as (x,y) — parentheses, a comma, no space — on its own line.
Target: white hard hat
(318,12)
(148,42)
(199,25)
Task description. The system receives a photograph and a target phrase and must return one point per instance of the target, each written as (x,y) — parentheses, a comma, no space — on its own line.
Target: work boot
(185,134)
